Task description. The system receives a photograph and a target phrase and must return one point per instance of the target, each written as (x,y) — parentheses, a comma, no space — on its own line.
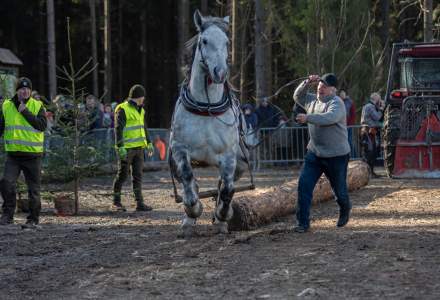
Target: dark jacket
(94,117)
(252,118)
(268,116)
(121,121)
(38,122)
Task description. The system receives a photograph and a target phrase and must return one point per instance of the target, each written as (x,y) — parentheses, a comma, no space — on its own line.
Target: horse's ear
(226,19)
(198,20)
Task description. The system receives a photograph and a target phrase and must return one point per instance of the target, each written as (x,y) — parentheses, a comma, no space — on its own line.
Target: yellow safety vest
(134,133)
(19,135)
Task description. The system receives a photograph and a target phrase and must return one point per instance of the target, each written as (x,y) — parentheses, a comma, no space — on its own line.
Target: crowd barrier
(276,147)
(288,145)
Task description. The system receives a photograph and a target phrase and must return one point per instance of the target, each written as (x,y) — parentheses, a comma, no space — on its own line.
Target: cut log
(260,206)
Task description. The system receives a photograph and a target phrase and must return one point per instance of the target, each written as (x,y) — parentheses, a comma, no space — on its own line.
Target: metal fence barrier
(288,145)
(282,147)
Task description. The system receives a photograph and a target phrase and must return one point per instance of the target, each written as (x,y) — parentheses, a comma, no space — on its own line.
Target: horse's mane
(190,46)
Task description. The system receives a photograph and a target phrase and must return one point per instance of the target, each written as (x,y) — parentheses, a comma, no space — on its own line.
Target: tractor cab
(412,117)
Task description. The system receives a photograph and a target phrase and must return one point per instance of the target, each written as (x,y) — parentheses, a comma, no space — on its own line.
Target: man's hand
(150,149)
(313,78)
(122,152)
(301,118)
(22,107)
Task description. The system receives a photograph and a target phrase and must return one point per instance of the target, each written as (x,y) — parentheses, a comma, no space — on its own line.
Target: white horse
(206,124)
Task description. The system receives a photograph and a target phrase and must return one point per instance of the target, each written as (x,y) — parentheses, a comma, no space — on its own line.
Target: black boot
(344,216)
(31,224)
(141,206)
(6,220)
(117,205)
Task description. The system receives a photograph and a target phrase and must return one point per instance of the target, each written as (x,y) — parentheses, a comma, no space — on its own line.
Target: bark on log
(260,206)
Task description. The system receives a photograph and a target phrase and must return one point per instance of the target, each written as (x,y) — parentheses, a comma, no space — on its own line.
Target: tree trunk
(244,60)
(235,55)
(92,5)
(121,50)
(427,20)
(41,52)
(261,206)
(183,33)
(144,57)
(108,53)
(263,59)
(204,7)
(51,49)
(385,42)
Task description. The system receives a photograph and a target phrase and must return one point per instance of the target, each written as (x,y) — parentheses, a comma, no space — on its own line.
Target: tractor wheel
(391,132)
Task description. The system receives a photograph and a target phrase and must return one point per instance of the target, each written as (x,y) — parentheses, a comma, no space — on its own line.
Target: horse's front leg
(192,205)
(223,211)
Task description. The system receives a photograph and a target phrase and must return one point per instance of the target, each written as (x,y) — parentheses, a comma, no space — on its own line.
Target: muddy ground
(389,250)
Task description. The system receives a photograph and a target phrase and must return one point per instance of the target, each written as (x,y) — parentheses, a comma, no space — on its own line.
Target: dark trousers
(31,167)
(135,162)
(369,149)
(335,168)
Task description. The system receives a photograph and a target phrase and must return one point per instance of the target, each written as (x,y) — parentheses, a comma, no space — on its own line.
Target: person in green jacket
(22,125)
(131,138)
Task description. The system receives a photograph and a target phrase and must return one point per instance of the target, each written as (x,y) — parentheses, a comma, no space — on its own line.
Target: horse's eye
(204,41)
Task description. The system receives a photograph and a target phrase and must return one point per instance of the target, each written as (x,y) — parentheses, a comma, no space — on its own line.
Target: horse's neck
(198,90)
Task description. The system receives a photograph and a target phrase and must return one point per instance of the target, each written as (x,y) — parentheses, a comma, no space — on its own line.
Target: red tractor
(411,133)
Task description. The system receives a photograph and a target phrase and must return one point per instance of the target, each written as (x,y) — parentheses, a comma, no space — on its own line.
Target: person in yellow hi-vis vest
(22,125)
(131,138)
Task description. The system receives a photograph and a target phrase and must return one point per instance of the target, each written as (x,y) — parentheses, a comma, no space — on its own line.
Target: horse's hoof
(187,230)
(221,227)
(223,213)
(194,211)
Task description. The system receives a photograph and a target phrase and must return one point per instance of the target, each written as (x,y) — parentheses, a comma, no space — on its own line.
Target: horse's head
(212,46)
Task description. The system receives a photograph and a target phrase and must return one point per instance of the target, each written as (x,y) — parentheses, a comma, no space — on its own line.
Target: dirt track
(390,249)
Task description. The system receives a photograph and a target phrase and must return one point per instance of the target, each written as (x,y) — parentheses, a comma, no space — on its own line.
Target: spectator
(50,122)
(250,116)
(350,109)
(36,95)
(160,147)
(108,117)
(65,117)
(371,124)
(93,112)
(268,114)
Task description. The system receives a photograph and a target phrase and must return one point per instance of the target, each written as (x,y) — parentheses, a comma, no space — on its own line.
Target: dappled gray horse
(206,123)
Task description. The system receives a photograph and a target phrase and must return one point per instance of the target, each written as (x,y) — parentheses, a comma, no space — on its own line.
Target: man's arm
(39,122)
(301,97)
(335,112)
(119,127)
(375,114)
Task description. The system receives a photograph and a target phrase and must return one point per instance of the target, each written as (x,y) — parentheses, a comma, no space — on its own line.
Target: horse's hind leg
(193,206)
(223,211)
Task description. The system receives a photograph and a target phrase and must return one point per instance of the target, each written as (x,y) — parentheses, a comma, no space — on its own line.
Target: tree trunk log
(259,207)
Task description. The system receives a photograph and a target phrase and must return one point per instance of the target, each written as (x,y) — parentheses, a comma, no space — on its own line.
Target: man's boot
(141,206)
(6,219)
(117,205)
(344,216)
(31,223)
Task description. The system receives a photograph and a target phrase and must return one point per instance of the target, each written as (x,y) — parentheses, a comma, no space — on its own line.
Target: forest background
(272,43)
